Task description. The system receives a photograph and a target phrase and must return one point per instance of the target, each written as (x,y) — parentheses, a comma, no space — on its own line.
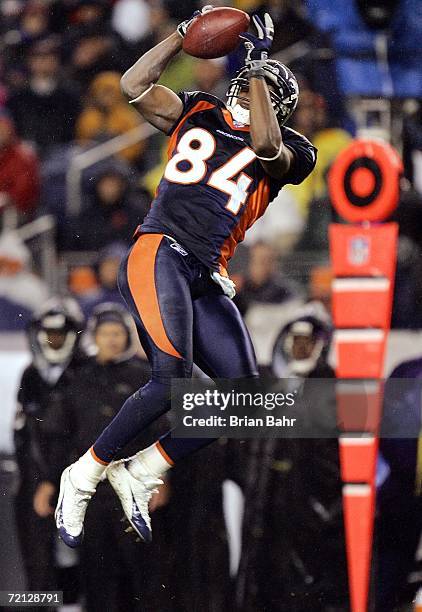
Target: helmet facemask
(240,114)
(53,336)
(284,93)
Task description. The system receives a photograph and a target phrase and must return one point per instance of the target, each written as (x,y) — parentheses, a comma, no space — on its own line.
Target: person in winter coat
(19,174)
(107,114)
(21,291)
(107,269)
(53,336)
(112,214)
(399,498)
(293,552)
(45,109)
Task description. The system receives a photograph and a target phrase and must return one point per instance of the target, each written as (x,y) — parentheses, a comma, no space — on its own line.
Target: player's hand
(183,27)
(258,47)
(42,499)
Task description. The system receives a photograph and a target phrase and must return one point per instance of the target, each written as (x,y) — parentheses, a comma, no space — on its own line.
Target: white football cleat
(70,510)
(134,496)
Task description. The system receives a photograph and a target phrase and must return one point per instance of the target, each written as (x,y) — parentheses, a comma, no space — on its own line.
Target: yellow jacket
(113,118)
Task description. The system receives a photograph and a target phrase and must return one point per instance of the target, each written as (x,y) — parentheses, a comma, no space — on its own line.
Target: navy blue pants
(182,316)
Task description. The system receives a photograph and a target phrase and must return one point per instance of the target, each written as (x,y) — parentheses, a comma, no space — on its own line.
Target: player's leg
(154,281)
(222,349)
(155,285)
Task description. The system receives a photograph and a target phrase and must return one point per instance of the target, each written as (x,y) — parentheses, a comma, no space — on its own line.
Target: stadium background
(78,167)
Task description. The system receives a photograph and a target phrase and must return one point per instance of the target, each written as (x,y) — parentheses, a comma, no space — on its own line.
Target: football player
(226,163)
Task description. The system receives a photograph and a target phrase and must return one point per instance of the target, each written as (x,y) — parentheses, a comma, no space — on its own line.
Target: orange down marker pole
(364,190)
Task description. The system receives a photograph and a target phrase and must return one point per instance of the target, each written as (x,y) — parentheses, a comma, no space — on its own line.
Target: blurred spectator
(21,291)
(117,572)
(3,96)
(113,214)
(89,12)
(320,283)
(29,25)
(281,224)
(311,119)
(196,502)
(290,21)
(141,25)
(19,177)
(131,19)
(108,114)
(399,521)
(210,76)
(45,109)
(412,143)
(33,25)
(180,9)
(314,236)
(377,45)
(92,49)
(293,491)
(82,281)
(407,286)
(107,270)
(302,346)
(53,337)
(264,282)
(408,213)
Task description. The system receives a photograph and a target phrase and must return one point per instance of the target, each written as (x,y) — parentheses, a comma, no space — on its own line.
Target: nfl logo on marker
(358,252)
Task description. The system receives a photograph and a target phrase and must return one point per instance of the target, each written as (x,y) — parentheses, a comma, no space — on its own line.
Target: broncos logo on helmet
(286,89)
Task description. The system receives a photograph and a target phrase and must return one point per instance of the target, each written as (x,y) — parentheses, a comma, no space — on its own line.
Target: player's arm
(157,104)
(266,137)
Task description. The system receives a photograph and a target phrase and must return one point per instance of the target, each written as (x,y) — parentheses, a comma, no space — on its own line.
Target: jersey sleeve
(189,100)
(305,156)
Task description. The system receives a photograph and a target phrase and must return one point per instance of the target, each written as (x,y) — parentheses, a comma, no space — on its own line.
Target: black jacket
(36,425)
(91,401)
(293,552)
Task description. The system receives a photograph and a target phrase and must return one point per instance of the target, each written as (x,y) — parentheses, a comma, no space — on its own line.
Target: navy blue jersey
(214,188)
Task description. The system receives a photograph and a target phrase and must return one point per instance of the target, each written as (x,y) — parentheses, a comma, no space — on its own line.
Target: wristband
(141,95)
(275,156)
(256,73)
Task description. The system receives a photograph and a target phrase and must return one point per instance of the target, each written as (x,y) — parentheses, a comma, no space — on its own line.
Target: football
(215,33)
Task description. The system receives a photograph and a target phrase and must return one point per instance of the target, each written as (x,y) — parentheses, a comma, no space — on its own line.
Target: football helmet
(54,332)
(311,323)
(284,98)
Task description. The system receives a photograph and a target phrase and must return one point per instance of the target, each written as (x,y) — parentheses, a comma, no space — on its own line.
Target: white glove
(182,28)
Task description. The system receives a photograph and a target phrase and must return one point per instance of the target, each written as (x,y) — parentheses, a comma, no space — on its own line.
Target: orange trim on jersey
(199,106)
(164,454)
(96,458)
(255,208)
(141,279)
(229,120)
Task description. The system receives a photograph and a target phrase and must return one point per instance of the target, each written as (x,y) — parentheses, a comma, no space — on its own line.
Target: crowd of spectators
(60,67)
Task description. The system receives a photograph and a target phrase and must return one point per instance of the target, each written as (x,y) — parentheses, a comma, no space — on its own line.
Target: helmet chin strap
(239,114)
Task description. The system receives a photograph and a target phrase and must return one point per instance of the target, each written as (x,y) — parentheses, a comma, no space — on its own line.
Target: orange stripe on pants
(141,279)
